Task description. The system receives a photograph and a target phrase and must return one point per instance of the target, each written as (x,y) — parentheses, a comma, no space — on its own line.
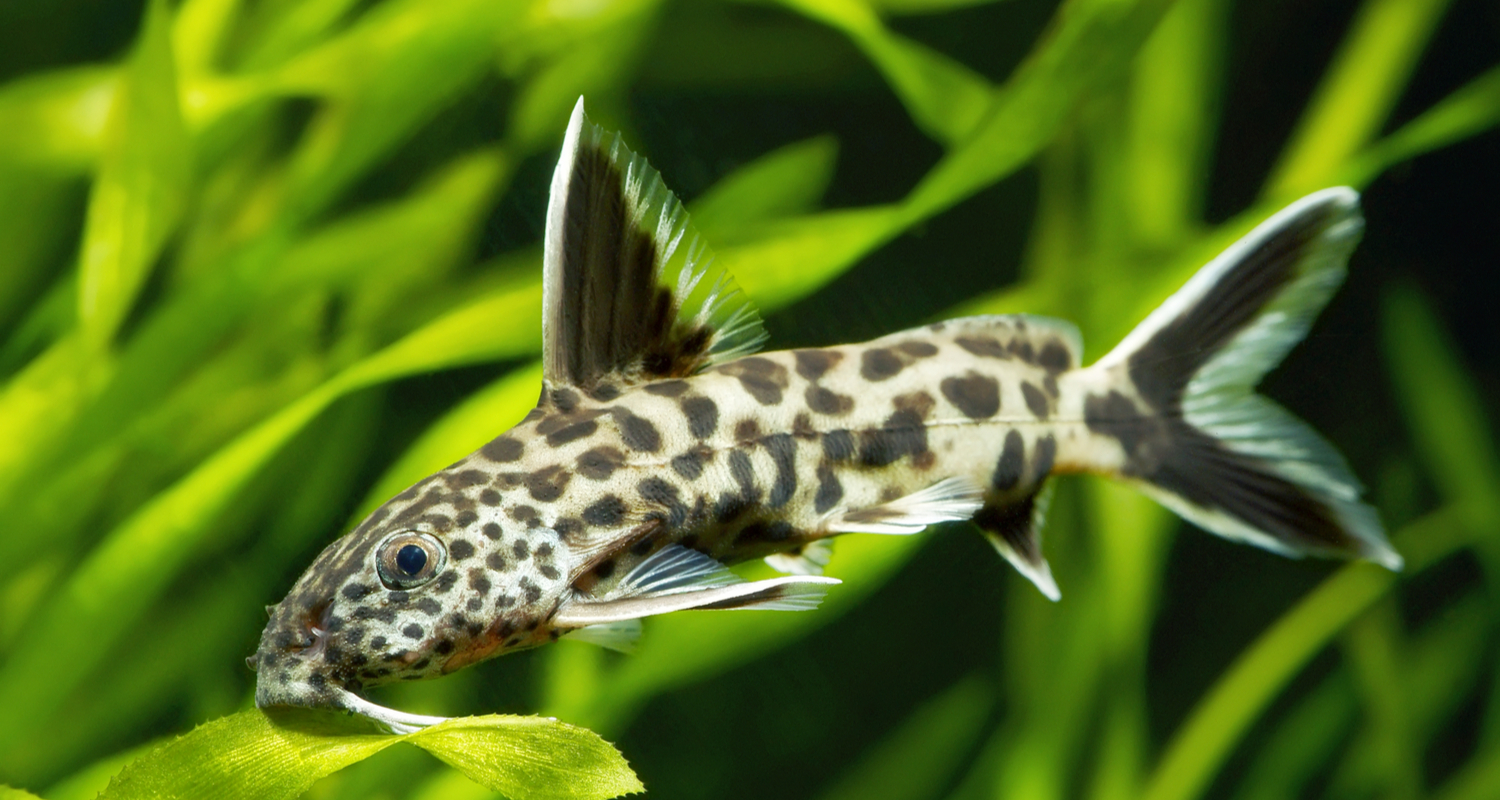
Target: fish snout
(292,663)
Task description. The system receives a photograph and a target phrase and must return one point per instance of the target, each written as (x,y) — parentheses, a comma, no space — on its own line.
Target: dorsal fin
(628,288)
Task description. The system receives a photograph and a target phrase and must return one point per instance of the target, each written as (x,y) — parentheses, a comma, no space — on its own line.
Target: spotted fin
(676,579)
(628,289)
(1015,531)
(811,560)
(1195,435)
(947,500)
(620,636)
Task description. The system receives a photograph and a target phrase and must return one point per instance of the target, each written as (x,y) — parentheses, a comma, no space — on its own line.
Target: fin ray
(950,499)
(628,287)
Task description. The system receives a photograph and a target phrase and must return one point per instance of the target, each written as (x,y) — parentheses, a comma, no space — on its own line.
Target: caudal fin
(1196,436)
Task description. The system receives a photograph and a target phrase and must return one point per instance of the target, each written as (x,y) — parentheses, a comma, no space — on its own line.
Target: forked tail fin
(1195,435)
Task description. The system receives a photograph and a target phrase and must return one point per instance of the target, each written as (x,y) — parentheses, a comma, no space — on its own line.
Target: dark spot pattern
(564,399)
(479,582)
(495,561)
(838,446)
(672,388)
(983,346)
(689,465)
(521,550)
(413,631)
(760,377)
(1011,464)
(547,484)
(783,451)
(830,491)
(814,364)
(466,518)
(460,549)
(598,463)
(1036,401)
(918,349)
(637,432)
(491,531)
(1054,357)
(1022,349)
(489,497)
(977,396)
(571,433)
(747,430)
(878,364)
(608,511)
(504,450)
(702,415)
(902,434)
(826,401)
(742,471)
(658,492)
(604,392)
(428,606)
(766,531)
(356,591)
(1042,457)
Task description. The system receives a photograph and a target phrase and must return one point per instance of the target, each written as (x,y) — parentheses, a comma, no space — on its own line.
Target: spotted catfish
(663,448)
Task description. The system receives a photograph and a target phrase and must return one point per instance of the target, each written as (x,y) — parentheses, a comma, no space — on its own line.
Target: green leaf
(1356,94)
(530,758)
(1442,406)
(56,120)
(917,758)
(945,98)
(786,181)
(142,186)
(137,560)
(254,756)
(12,793)
(1089,41)
(1201,744)
(1467,112)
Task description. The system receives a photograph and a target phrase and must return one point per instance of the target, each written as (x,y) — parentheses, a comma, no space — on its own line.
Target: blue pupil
(411,559)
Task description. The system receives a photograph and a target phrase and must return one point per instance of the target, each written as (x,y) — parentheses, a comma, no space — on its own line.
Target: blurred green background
(262,264)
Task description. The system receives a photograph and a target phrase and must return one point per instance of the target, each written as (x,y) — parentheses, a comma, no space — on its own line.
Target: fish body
(663,448)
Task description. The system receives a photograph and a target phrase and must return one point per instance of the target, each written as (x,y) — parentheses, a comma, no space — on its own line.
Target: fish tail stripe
(1204,444)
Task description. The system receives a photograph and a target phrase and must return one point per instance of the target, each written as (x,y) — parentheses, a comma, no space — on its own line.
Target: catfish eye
(409,559)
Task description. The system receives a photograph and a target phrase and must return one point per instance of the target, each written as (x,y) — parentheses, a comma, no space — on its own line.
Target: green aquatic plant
(226,253)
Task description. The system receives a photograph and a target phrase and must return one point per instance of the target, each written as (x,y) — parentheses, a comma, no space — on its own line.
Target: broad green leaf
(1442,406)
(141,189)
(1471,110)
(945,98)
(385,76)
(1356,94)
(786,181)
(12,793)
(1089,40)
(198,34)
(481,417)
(793,257)
(251,755)
(56,120)
(896,7)
(1174,96)
(1202,743)
(530,757)
(137,560)
(917,758)
(1306,738)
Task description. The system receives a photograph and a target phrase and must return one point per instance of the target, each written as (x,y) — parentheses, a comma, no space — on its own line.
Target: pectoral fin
(678,579)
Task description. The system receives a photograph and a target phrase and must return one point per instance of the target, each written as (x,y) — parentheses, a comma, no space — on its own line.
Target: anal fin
(620,636)
(810,560)
(947,500)
(677,579)
(1015,530)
